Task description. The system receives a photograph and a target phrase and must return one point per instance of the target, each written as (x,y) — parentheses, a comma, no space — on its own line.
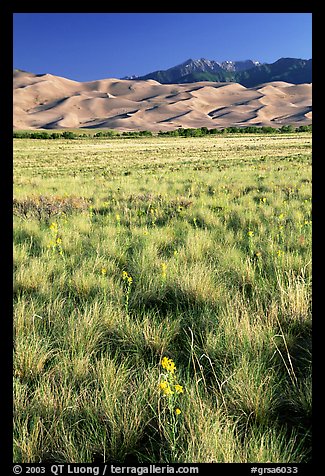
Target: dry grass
(215,234)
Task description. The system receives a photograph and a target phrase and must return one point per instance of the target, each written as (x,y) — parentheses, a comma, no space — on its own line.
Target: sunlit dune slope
(51,102)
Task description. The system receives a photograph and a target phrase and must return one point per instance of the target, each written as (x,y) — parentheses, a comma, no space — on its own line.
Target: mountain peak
(246,72)
(188,61)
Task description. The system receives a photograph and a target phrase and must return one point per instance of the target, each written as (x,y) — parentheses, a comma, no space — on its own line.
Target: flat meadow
(162,299)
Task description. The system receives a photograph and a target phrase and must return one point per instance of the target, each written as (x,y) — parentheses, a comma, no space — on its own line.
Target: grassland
(129,251)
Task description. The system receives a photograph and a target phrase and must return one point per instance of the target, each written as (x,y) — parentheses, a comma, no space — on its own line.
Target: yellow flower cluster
(54,227)
(126,277)
(164,386)
(168,386)
(56,243)
(168,365)
(163,270)
(179,388)
(167,390)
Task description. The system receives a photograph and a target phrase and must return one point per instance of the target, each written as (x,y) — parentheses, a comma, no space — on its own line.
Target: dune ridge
(52,102)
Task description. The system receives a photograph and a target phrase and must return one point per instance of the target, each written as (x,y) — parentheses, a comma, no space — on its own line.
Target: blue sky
(88,46)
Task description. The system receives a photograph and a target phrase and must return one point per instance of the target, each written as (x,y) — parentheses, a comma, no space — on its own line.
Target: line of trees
(180,132)
(46,135)
(77,135)
(203,131)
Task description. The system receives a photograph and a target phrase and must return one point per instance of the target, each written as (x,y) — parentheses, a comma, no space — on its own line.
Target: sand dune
(51,102)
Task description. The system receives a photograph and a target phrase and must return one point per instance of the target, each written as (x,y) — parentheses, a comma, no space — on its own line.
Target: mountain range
(249,73)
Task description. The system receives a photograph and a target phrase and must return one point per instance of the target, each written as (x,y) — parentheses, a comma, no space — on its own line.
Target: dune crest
(51,102)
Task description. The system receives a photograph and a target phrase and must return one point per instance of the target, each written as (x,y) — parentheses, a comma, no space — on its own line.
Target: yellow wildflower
(250,233)
(179,388)
(168,364)
(163,270)
(168,391)
(104,271)
(164,386)
(127,277)
(178,411)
